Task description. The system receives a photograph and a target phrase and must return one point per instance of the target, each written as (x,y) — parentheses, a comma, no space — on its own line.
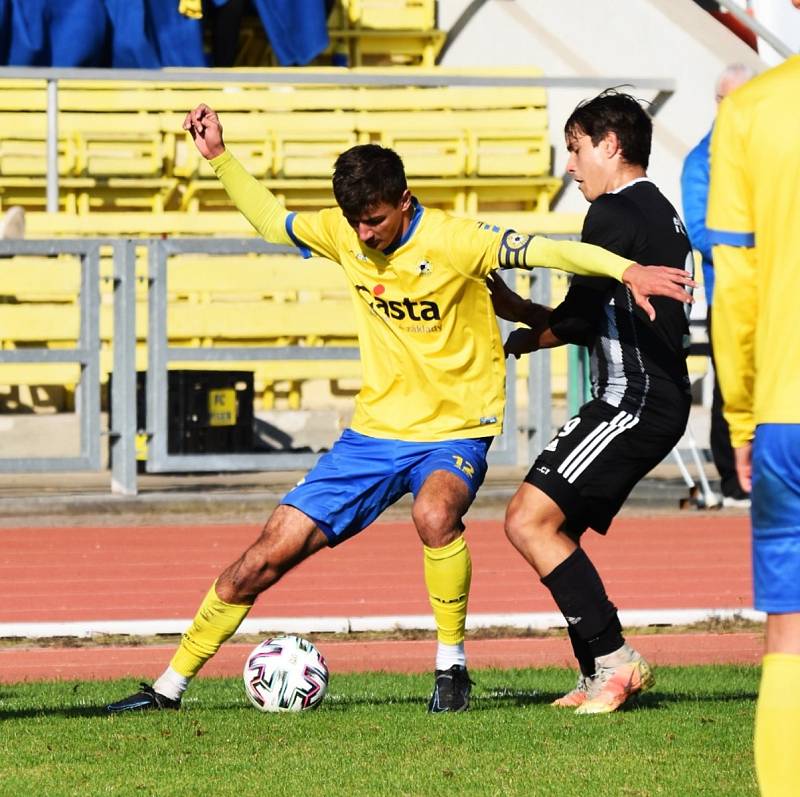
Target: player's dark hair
(614,112)
(367,175)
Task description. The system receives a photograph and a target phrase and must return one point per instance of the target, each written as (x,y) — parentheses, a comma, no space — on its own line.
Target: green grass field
(690,735)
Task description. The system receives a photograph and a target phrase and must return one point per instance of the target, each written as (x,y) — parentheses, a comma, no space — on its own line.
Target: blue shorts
(776,518)
(362,476)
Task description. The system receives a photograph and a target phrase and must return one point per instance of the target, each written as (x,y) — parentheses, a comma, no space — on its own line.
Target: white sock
(171,684)
(620,656)
(448,655)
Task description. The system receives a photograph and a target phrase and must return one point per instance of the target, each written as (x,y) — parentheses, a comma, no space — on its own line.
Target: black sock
(582,651)
(580,595)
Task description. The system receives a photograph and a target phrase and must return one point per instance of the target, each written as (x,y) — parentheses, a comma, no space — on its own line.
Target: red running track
(162,572)
(113,573)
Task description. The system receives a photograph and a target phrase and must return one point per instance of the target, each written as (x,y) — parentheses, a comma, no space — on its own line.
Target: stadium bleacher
(121,147)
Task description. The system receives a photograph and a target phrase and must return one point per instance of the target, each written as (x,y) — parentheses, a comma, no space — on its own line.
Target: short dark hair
(365,176)
(613,111)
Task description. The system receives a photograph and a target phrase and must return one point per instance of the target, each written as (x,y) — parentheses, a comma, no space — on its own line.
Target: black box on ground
(208,412)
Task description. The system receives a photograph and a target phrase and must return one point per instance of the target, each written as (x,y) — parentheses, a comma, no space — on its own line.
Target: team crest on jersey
(424,268)
(515,241)
(360,256)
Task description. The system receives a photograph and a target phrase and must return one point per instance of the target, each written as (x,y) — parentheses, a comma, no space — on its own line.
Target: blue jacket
(694,190)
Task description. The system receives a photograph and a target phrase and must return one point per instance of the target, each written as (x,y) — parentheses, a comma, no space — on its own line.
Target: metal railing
(86,354)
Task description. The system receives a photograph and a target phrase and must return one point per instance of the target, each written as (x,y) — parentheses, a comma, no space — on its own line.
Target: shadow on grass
(488,699)
(499,698)
(656,699)
(503,697)
(67,712)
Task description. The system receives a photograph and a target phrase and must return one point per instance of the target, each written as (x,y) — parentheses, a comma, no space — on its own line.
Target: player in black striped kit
(640,390)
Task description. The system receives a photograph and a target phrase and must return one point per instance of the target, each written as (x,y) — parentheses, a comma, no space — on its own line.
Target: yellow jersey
(431,352)
(433,366)
(754,225)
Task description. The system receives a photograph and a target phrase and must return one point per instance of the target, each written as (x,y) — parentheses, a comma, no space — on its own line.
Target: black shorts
(590,467)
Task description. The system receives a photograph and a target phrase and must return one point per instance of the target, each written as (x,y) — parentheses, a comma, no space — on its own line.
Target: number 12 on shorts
(464,466)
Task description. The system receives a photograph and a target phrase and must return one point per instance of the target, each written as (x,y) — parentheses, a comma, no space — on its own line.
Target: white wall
(781,18)
(608,38)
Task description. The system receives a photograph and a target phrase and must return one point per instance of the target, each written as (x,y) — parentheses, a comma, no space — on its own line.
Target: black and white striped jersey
(637,365)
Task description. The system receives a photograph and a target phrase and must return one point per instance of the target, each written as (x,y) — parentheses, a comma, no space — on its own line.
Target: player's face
(382,224)
(589,165)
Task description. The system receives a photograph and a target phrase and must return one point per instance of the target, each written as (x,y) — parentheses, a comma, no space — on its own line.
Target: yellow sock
(214,622)
(448,572)
(777,737)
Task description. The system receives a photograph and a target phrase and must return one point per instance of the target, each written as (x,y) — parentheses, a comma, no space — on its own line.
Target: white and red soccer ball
(285,673)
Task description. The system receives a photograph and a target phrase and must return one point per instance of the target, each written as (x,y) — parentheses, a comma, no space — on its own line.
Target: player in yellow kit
(432,397)
(754,225)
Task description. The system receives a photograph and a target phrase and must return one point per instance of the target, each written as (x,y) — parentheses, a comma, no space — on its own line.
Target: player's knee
(436,523)
(524,526)
(517,525)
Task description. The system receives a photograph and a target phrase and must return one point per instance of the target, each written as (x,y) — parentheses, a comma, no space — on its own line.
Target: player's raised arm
(254,200)
(526,251)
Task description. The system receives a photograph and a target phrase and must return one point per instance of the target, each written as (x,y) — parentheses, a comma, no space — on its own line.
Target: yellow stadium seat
(387,14)
(366,47)
(501,153)
(24,154)
(118,153)
(429,154)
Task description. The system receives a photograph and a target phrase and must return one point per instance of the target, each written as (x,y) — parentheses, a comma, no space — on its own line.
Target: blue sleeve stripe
(726,238)
(304,250)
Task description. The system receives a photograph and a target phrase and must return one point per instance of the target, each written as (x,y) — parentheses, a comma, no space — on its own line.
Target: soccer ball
(285,673)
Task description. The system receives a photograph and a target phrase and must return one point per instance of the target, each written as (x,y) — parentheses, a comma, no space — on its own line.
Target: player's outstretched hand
(204,126)
(647,281)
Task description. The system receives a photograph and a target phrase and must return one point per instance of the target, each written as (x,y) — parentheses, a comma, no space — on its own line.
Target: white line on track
(538,621)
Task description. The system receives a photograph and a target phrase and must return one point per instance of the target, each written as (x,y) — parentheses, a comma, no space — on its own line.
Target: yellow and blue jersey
(753,213)
(431,351)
